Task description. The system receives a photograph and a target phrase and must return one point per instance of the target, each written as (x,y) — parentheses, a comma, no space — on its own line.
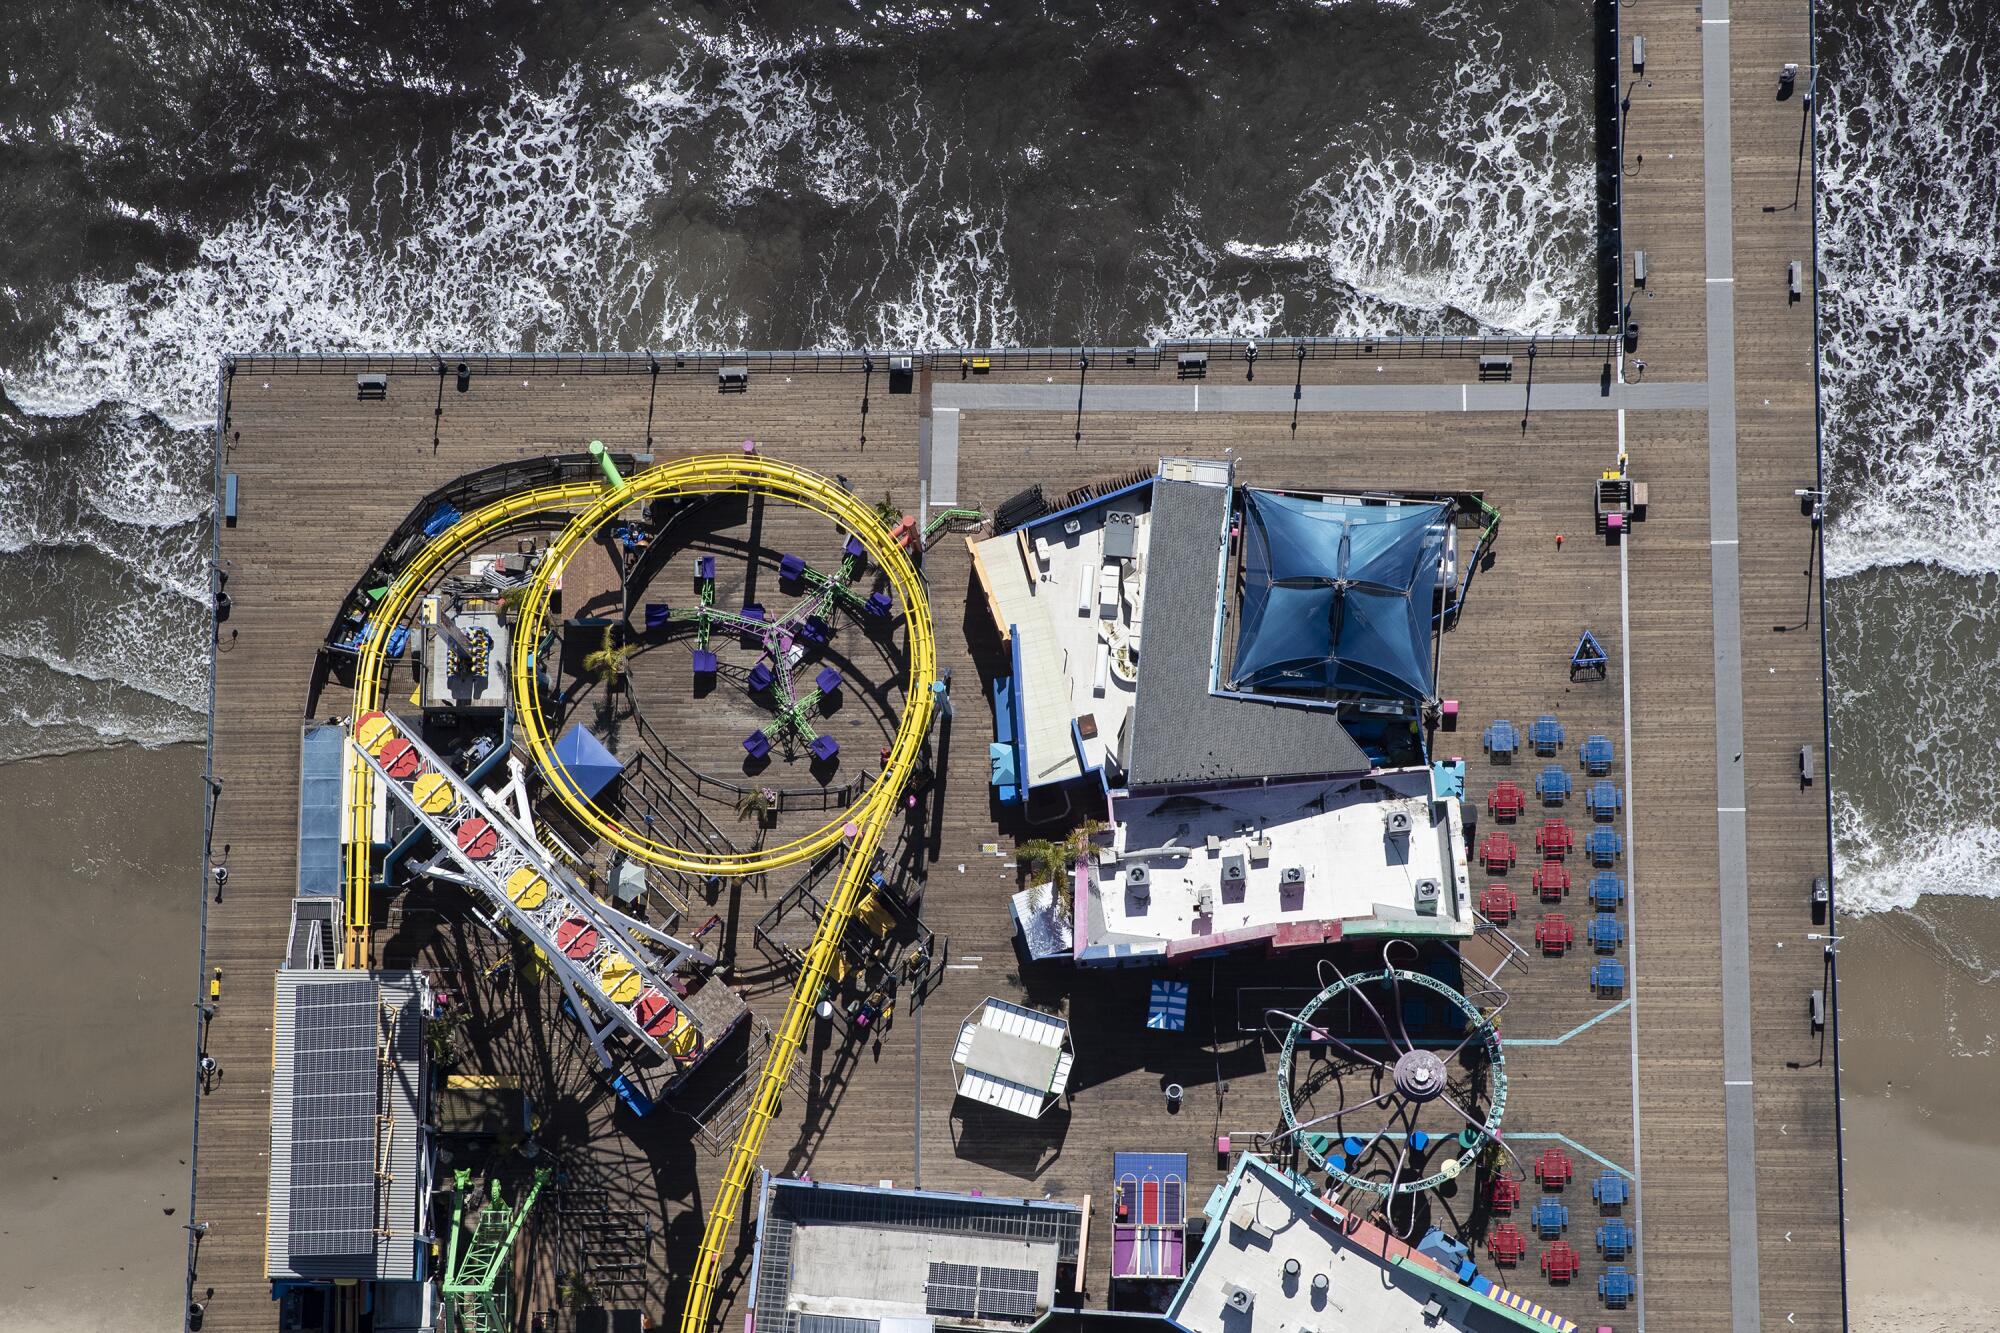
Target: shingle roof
(1179,731)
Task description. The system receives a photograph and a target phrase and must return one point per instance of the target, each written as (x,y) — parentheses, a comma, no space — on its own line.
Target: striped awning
(1168,1010)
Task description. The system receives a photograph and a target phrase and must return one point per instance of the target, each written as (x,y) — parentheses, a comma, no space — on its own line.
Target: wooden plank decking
(323,477)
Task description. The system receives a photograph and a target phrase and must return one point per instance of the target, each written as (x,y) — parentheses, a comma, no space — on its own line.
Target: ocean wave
(1483,228)
(1915,674)
(1955,860)
(1910,302)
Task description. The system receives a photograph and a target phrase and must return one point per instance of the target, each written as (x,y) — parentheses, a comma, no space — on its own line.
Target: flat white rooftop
(1078,615)
(1372,854)
(865,1272)
(1288,1254)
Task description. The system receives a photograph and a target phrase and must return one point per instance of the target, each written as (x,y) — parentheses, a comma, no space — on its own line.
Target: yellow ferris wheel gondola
(373,731)
(526,889)
(434,794)
(620,980)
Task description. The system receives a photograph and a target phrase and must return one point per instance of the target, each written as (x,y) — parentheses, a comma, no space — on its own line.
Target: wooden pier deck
(1642,1084)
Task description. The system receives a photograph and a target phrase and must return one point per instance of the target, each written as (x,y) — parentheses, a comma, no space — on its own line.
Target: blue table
(1546,734)
(1603,846)
(1605,933)
(1603,799)
(1597,755)
(1502,739)
(1606,891)
(1608,1189)
(1614,1238)
(1552,784)
(1551,1218)
(1607,976)
(1615,1285)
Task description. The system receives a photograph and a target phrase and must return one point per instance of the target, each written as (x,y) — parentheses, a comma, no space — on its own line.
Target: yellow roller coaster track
(371,668)
(861,827)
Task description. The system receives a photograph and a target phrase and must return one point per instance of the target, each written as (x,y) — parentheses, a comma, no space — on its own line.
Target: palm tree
(1057,860)
(887,512)
(608,662)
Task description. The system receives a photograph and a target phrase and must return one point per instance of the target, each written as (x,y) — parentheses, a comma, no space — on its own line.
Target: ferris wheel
(1392,1115)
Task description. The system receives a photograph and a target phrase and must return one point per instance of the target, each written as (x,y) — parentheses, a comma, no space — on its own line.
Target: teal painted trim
(1578,1030)
(1563,1139)
(1569,1142)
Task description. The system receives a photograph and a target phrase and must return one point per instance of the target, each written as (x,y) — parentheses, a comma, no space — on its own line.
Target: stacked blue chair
(1603,846)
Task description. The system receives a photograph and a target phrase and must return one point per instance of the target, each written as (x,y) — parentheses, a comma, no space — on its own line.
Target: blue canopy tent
(589,766)
(1337,597)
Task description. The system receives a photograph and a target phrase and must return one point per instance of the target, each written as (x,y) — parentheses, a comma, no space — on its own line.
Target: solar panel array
(978,1292)
(336,1092)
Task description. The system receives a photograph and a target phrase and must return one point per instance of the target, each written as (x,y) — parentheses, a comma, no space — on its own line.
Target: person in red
(1559,541)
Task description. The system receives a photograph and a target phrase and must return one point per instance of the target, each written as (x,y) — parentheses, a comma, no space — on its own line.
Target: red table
(1560,1261)
(1507,1245)
(1554,934)
(1554,839)
(1504,1193)
(1497,902)
(1553,1168)
(1551,881)
(1506,801)
(1496,852)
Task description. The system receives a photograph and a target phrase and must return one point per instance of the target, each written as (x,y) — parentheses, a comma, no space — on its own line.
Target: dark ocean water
(181,180)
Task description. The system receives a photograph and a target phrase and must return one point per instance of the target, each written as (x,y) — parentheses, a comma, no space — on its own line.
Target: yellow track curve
(862,826)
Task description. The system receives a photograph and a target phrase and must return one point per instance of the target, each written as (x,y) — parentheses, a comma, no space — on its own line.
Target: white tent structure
(1013,1058)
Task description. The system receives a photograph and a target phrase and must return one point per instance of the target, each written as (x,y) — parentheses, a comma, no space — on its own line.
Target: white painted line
(1632,897)
(1462,397)
(1706,21)
(1736,1083)
(1722,541)
(1730,810)
(1722,279)
(961,967)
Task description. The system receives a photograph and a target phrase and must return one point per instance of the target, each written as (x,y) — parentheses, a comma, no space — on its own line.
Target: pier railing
(941,361)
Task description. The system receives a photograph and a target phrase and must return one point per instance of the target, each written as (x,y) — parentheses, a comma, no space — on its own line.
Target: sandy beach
(1919,1080)
(100,858)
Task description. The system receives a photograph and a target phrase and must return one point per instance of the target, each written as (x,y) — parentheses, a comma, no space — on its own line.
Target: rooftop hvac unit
(1238,1298)
(1396,821)
(1292,875)
(1428,893)
(1137,877)
(1232,868)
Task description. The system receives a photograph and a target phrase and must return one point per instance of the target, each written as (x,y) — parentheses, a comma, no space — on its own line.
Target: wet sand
(1920,1071)
(99,857)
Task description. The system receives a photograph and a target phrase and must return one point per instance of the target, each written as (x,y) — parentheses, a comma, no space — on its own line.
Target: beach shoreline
(103,858)
(1918,1025)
